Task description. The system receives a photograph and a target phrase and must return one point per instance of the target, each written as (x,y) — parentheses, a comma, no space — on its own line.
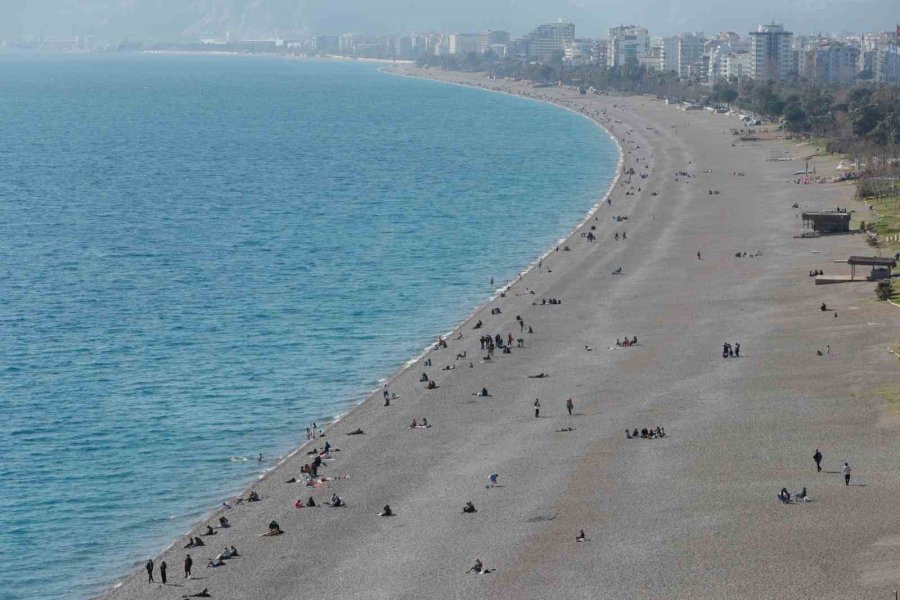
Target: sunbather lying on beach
(216,562)
(204,594)
(356,432)
(540,375)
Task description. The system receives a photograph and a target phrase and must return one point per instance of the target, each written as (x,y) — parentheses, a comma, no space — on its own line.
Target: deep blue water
(199,256)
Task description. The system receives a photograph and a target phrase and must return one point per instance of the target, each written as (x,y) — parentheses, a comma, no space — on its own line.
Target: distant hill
(171,20)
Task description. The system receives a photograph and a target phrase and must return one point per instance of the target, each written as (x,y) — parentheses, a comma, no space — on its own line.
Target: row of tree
(846,116)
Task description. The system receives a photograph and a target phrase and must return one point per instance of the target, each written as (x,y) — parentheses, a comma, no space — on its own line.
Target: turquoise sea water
(202,255)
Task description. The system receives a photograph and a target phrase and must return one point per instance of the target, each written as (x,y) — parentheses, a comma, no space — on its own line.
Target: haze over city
(172,20)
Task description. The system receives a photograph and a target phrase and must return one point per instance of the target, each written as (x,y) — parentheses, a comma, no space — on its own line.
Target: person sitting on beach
(198,542)
(234,552)
(634,341)
(414,423)
(627,435)
(801,496)
(483,393)
(209,530)
(823,307)
(274,529)
(335,501)
(430,385)
(226,553)
(310,502)
(423,377)
(386,511)
(784,496)
(425,422)
(478,325)
(634,433)
(580,537)
(469,508)
(190,543)
(253,497)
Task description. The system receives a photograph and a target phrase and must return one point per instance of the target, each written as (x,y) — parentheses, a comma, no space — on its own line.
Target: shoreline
(373,394)
(737,428)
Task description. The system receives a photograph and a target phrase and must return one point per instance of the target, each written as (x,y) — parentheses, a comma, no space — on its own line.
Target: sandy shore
(693,515)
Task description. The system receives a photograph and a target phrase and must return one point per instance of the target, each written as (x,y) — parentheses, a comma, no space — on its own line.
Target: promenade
(691,515)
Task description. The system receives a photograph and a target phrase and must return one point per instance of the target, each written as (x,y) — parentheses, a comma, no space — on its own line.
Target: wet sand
(692,515)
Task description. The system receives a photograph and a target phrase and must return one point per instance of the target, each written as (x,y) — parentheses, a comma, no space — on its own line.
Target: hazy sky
(175,19)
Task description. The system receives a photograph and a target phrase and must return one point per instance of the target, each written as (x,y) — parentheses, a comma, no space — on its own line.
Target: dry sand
(693,515)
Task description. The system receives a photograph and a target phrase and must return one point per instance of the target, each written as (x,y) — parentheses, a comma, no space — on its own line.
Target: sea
(201,255)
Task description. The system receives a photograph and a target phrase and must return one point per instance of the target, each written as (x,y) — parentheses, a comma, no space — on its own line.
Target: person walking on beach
(162,572)
(846,472)
(149,567)
(188,563)
(569,406)
(818,458)
(537,408)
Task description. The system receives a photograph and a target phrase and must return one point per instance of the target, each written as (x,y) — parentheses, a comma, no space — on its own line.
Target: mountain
(170,20)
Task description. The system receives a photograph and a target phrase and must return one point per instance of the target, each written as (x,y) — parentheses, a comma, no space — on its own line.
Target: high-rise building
(773,58)
(669,47)
(887,65)
(550,38)
(464,43)
(492,38)
(830,63)
(738,64)
(626,42)
(690,49)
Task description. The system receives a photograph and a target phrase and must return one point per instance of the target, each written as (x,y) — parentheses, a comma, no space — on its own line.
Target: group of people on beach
(625,342)
(731,352)
(646,433)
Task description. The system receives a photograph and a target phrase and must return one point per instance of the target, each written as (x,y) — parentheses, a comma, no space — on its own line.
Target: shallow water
(202,255)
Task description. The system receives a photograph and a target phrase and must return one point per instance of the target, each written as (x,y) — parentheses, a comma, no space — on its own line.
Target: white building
(669,47)
(626,42)
(770,47)
(738,64)
(463,43)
